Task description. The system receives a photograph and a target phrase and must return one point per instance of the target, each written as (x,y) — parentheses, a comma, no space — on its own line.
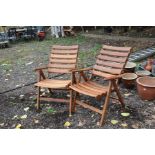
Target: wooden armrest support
(41,68)
(81,70)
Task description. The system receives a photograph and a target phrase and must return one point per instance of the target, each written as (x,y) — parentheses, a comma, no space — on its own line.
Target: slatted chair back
(63,59)
(111,61)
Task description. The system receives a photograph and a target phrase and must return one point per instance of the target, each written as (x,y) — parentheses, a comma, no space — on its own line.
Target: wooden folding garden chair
(62,60)
(109,66)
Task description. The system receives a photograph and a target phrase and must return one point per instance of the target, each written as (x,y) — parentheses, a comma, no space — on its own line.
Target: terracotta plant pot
(130,67)
(149,64)
(128,80)
(146,87)
(143,73)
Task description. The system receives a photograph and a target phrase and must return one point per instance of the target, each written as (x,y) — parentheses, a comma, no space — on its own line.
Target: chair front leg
(106,104)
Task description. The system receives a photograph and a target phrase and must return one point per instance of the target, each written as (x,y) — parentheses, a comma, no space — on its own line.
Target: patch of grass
(67,40)
(5,61)
(87,59)
(7,67)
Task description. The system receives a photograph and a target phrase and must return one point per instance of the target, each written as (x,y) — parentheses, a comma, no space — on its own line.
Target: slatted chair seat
(54,84)
(109,65)
(90,88)
(61,61)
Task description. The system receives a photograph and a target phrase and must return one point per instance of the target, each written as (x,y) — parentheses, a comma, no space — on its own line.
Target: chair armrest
(81,70)
(115,77)
(41,68)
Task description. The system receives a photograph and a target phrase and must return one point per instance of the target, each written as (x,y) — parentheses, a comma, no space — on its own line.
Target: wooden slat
(125,49)
(65,47)
(55,51)
(107,70)
(105,75)
(55,70)
(112,53)
(49,83)
(96,85)
(54,100)
(63,61)
(65,66)
(82,90)
(110,64)
(63,56)
(89,107)
(111,58)
(91,87)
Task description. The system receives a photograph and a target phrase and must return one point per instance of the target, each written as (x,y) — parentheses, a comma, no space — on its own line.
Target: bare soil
(17,65)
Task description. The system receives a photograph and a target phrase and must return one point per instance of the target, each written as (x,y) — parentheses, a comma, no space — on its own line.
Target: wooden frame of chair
(109,66)
(61,61)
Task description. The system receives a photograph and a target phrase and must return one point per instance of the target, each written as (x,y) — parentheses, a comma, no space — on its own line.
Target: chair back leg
(118,93)
(38,99)
(71,102)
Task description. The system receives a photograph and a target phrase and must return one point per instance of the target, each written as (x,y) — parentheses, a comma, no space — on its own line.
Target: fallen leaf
(135,126)
(114,122)
(92,115)
(98,123)
(14,117)
(29,63)
(80,123)
(36,121)
(124,124)
(21,97)
(68,95)
(67,124)
(2,124)
(43,94)
(153,116)
(42,90)
(26,109)
(127,94)
(18,126)
(23,117)
(125,114)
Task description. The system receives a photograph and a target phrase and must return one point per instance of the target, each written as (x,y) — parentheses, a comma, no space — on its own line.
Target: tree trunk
(57,31)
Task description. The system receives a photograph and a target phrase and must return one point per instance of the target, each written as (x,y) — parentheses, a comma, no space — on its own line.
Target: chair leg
(106,105)
(38,99)
(71,102)
(74,101)
(118,94)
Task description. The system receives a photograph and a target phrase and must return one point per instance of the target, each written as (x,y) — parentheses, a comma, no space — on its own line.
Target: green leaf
(125,114)
(114,122)
(51,110)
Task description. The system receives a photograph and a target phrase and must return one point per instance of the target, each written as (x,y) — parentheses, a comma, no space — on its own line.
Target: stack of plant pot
(146,84)
(141,78)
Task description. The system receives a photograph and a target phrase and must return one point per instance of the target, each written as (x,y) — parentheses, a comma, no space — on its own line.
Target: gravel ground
(18,107)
